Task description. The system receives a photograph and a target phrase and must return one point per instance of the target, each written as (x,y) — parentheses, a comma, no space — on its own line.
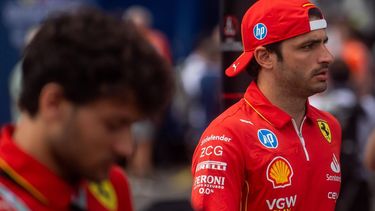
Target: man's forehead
(316,35)
(119,109)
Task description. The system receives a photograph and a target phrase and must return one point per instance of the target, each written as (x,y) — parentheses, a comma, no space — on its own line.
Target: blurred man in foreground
(86,78)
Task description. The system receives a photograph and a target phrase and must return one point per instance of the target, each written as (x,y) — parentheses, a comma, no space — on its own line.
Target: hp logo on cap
(260,31)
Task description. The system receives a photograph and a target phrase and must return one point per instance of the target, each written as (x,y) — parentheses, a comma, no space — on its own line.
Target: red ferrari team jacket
(26,184)
(253,157)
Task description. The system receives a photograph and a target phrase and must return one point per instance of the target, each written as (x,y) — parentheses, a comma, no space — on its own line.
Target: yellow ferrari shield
(324,129)
(105,194)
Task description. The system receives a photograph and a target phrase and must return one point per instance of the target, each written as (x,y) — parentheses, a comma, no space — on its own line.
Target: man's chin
(98,176)
(321,87)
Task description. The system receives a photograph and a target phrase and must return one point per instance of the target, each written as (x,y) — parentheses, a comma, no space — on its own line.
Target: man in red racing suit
(272,150)
(253,157)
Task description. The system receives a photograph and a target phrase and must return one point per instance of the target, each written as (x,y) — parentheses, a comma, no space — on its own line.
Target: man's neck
(30,136)
(27,135)
(286,100)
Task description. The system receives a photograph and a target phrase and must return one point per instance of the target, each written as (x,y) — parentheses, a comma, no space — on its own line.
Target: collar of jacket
(269,112)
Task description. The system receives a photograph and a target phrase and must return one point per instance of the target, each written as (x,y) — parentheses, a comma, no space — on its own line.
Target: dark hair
(253,67)
(92,55)
(315,13)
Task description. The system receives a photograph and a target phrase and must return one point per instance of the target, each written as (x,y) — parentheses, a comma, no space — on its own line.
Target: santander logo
(335,165)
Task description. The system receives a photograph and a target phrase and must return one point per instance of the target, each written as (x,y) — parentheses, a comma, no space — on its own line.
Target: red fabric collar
(269,112)
(57,192)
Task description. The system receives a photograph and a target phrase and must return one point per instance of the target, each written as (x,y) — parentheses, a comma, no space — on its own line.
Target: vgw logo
(282,203)
(267,138)
(260,31)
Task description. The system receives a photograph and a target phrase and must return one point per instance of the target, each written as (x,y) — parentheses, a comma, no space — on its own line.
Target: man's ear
(51,101)
(264,57)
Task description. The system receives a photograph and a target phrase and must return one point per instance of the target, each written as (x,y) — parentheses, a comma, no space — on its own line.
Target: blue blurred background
(182,22)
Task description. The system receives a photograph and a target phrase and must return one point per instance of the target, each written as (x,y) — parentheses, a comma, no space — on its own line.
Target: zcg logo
(211,150)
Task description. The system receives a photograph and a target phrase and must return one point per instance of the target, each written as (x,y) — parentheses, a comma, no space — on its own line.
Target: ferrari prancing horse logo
(105,193)
(324,129)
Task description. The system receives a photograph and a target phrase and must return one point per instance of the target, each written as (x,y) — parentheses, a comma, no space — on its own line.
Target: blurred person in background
(15,77)
(145,132)
(142,18)
(273,146)
(86,78)
(349,46)
(357,56)
(201,81)
(340,99)
(369,156)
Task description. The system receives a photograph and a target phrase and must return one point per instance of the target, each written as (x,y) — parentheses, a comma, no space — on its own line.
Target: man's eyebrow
(312,41)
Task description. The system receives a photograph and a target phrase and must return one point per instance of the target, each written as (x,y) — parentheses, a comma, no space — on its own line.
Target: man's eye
(308,46)
(111,126)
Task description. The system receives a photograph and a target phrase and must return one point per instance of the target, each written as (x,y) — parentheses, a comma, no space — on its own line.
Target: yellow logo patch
(279,172)
(324,129)
(105,194)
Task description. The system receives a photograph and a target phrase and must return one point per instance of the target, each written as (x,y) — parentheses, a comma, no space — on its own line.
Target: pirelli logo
(214,165)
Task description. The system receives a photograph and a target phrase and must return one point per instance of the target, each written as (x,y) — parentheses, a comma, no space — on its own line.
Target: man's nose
(123,143)
(326,56)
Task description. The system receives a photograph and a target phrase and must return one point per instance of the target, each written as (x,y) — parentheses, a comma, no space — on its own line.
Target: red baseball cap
(270,21)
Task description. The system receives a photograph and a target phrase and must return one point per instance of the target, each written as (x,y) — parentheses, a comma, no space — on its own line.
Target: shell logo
(280,172)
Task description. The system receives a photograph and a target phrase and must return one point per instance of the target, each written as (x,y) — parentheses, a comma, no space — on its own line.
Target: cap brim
(239,65)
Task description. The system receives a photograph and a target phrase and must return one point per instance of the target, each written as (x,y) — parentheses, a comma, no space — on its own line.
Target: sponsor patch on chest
(325,130)
(105,193)
(282,204)
(267,138)
(279,172)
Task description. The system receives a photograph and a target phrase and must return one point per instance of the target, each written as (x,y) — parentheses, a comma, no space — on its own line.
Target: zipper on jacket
(302,140)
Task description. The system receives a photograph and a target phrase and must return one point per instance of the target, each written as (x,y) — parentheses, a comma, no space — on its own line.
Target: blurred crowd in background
(187,35)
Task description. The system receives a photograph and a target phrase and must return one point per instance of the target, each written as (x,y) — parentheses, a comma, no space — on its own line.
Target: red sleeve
(121,184)
(218,171)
